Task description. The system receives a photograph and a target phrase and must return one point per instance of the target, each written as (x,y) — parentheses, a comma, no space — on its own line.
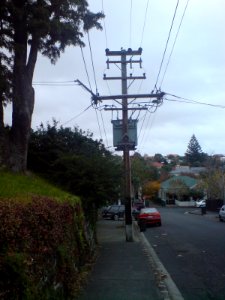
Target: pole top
(129,51)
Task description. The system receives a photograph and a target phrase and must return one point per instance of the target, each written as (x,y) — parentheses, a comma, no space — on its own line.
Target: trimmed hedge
(43,247)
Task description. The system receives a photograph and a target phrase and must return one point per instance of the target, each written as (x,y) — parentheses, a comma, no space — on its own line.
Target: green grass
(23,187)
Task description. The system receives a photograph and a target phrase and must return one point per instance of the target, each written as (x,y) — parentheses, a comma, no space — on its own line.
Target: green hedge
(43,248)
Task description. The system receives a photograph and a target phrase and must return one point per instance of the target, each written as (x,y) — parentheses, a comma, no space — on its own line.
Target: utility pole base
(129,233)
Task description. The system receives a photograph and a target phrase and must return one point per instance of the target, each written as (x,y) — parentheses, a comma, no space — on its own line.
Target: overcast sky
(196,71)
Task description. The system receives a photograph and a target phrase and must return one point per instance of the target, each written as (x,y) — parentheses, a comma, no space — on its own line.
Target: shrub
(43,248)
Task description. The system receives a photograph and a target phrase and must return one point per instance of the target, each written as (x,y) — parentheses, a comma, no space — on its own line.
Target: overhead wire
(92,61)
(167,42)
(104,25)
(104,129)
(94,73)
(190,101)
(130,35)
(142,37)
(174,43)
(145,18)
(54,83)
(85,67)
(78,115)
(99,127)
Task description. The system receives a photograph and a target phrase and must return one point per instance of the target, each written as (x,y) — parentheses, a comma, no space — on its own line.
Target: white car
(200,203)
(222,213)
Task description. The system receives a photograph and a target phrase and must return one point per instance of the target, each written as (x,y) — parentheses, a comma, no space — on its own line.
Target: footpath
(127,270)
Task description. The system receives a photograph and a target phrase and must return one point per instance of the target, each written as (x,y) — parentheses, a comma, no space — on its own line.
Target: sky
(194,70)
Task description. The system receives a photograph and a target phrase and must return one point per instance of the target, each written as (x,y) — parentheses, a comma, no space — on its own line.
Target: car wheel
(160,223)
(221,220)
(116,217)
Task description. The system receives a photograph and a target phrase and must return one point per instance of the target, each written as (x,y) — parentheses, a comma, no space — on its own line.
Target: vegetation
(194,155)
(142,172)
(28,28)
(16,186)
(44,245)
(151,189)
(71,159)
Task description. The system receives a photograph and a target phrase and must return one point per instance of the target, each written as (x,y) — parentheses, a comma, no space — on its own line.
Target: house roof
(157,164)
(186,169)
(188,181)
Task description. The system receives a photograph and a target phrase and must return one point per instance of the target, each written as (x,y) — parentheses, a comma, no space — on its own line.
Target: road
(192,249)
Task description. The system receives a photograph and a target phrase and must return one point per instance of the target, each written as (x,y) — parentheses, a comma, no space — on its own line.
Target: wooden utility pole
(126,144)
(125,140)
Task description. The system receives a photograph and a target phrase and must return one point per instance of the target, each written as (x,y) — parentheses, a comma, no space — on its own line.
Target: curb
(166,284)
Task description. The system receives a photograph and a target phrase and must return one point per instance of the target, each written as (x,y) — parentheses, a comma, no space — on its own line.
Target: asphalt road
(192,249)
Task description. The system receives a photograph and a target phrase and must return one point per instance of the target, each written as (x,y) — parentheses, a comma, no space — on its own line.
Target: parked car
(200,203)
(222,213)
(149,215)
(115,212)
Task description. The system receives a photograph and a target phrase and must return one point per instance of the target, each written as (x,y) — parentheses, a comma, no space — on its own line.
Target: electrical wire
(174,43)
(186,100)
(85,67)
(104,25)
(99,127)
(145,18)
(148,120)
(130,35)
(104,129)
(76,115)
(92,62)
(54,83)
(167,42)
(94,73)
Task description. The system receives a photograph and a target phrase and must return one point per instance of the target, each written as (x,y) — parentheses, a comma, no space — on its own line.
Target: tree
(141,172)
(194,155)
(28,27)
(71,159)
(151,189)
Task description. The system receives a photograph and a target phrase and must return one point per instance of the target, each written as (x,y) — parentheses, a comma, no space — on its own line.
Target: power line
(77,115)
(54,83)
(92,61)
(144,134)
(106,39)
(130,38)
(174,43)
(99,127)
(186,100)
(85,67)
(164,53)
(104,129)
(145,18)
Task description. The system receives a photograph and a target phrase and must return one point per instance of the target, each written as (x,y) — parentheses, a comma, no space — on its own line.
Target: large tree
(28,27)
(72,159)
(194,154)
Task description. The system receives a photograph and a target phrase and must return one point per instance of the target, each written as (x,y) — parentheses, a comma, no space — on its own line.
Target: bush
(43,248)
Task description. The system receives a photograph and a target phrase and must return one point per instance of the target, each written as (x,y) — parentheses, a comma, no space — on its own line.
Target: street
(192,249)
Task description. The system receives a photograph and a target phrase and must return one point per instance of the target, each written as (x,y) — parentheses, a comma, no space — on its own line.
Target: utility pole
(126,143)
(125,139)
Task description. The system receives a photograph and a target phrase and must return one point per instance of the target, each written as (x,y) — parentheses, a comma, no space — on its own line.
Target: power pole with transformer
(125,129)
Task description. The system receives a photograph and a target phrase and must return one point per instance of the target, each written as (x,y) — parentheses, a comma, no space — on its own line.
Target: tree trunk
(1,134)
(23,96)
(21,126)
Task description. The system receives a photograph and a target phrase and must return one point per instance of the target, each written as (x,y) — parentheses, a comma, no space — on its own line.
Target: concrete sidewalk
(122,270)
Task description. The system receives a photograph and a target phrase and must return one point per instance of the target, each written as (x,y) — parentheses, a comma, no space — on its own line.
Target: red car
(149,215)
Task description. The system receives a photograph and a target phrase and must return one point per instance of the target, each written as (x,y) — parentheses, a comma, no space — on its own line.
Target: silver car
(222,213)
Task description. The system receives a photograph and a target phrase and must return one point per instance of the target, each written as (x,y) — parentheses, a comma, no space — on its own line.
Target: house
(177,189)
(178,170)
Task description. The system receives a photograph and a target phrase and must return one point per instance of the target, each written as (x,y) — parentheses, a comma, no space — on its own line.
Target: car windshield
(148,210)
